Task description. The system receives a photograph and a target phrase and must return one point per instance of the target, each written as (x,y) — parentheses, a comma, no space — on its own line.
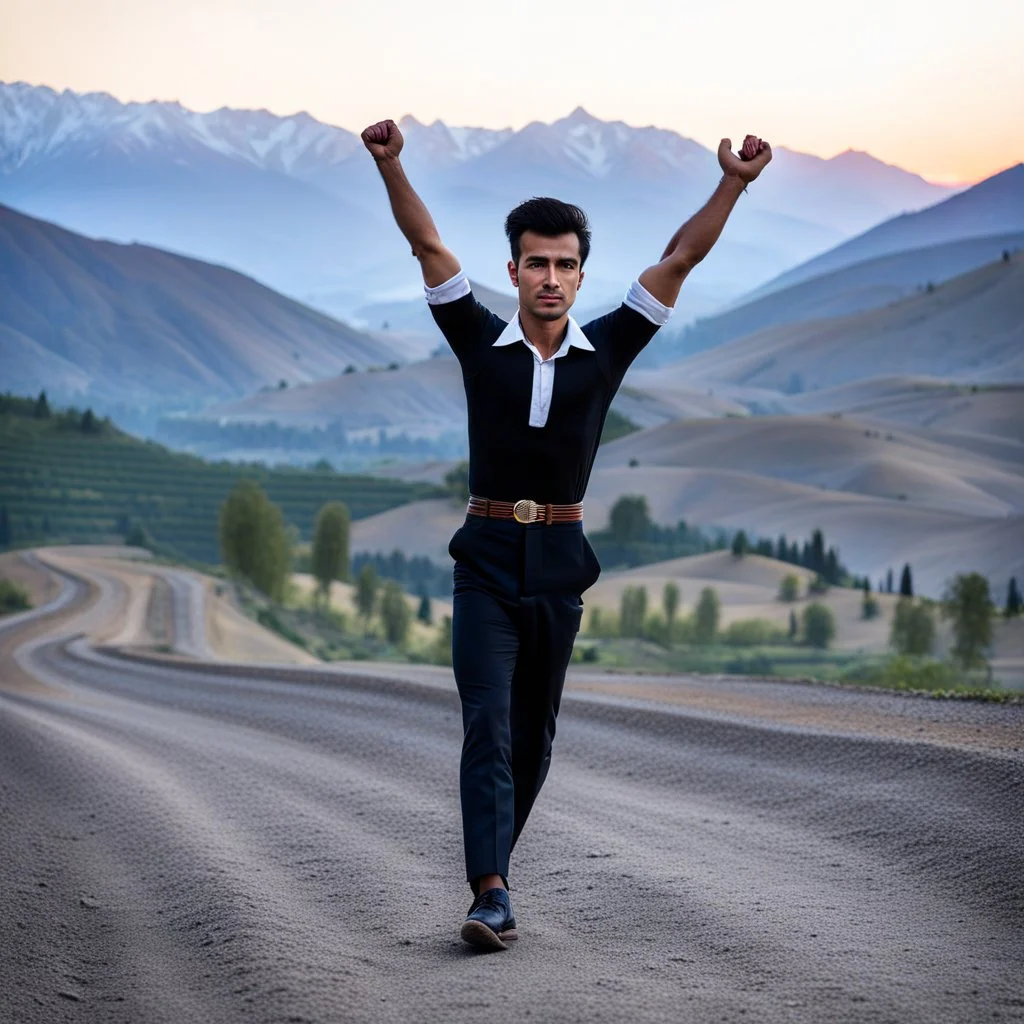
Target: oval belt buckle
(525,511)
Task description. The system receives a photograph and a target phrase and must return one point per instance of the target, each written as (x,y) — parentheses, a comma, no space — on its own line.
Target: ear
(513,274)
(580,281)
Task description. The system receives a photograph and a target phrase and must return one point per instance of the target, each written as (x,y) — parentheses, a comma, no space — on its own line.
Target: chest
(511,381)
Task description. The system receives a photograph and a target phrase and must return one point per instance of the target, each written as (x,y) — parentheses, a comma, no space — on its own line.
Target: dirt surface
(184,842)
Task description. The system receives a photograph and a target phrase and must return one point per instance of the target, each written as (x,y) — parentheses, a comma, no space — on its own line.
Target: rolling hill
(970,328)
(862,286)
(994,206)
(135,324)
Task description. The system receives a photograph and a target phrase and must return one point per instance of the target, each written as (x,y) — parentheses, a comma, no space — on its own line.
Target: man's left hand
(753,157)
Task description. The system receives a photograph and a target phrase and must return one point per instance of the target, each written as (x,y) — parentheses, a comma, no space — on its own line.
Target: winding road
(186,839)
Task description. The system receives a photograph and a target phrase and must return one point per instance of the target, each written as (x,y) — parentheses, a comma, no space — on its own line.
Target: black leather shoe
(490,920)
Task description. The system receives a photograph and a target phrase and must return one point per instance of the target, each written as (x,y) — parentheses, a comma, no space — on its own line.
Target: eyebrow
(557,259)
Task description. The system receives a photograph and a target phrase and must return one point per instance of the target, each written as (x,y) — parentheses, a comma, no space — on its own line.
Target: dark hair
(550,218)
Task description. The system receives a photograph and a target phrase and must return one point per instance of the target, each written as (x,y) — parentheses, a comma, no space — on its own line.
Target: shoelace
(491,898)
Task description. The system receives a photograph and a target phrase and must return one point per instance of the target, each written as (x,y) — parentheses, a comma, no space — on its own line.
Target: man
(538,390)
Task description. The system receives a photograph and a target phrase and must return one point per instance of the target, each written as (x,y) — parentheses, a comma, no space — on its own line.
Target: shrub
(789,587)
(819,625)
(13,597)
(752,633)
(913,628)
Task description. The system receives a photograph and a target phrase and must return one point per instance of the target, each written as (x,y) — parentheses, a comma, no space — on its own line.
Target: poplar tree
(968,606)
(706,615)
(254,541)
(670,605)
(330,554)
(1013,601)
(906,584)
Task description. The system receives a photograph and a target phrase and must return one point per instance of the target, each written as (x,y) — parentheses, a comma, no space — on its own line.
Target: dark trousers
(517,610)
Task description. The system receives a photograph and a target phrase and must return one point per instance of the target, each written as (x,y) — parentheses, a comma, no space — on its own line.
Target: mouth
(552,299)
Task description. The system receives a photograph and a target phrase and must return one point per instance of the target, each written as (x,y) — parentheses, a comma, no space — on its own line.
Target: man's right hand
(383,140)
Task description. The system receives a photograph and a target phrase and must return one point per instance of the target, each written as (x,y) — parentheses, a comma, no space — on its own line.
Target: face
(548,275)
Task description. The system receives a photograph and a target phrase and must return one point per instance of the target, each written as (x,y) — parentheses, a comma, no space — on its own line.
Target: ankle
(485,882)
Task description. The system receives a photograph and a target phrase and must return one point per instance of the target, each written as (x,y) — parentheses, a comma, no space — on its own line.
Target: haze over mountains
(297,204)
(871,385)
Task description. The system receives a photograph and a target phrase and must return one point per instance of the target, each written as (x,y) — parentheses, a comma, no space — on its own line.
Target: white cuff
(452,289)
(640,299)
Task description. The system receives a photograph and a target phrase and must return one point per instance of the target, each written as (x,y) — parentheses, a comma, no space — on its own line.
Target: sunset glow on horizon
(939,92)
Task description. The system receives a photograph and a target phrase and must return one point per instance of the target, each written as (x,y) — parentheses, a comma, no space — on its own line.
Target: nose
(552,277)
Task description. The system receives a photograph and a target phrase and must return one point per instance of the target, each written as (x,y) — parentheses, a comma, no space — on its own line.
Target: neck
(546,336)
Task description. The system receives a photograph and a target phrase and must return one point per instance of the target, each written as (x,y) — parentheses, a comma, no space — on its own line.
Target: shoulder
(466,323)
(621,334)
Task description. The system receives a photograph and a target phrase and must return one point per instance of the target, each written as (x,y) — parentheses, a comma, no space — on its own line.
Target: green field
(61,484)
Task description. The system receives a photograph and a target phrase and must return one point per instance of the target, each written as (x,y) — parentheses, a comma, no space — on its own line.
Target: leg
(552,622)
(485,644)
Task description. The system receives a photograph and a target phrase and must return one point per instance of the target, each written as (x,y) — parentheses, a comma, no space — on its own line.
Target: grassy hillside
(59,481)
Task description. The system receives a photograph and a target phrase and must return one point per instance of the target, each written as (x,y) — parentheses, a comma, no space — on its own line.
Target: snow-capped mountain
(38,124)
(297,204)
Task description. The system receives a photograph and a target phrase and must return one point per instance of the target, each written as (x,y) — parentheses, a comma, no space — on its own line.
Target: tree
(632,611)
(789,587)
(782,548)
(5,528)
(968,605)
(817,552)
(906,584)
(832,570)
(442,650)
(705,624)
(89,425)
(424,613)
(670,605)
(329,558)
(630,519)
(366,590)
(1013,601)
(869,607)
(740,544)
(888,582)
(457,481)
(913,628)
(394,613)
(819,625)
(254,542)
(793,626)
(41,410)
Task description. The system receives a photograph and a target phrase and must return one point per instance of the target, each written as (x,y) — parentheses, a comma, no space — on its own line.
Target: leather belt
(525,511)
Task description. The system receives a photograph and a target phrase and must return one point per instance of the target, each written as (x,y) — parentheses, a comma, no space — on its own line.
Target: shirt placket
(543,386)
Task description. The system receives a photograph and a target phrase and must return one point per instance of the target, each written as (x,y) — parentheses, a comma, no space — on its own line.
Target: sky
(932,86)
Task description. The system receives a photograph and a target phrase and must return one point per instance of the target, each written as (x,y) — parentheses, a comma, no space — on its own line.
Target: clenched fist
(753,157)
(383,139)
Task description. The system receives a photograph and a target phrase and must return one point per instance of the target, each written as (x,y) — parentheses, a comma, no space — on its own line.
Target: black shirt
(508,459)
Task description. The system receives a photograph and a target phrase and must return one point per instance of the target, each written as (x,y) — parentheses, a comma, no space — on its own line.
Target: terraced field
(64,484)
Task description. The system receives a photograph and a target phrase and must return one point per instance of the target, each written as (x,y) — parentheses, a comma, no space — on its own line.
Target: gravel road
(200,843)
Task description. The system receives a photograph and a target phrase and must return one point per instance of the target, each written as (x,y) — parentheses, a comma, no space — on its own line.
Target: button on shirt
(533,433)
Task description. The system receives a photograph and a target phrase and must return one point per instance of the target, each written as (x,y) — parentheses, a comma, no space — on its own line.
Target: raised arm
(694,240)
(384,141)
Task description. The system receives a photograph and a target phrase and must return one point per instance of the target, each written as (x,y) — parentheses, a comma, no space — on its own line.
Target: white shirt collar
(574,337)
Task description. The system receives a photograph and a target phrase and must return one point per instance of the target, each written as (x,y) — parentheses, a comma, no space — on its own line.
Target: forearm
(411,215)
(695,239)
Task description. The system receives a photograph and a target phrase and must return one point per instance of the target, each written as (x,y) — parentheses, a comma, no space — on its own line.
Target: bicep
(663,280)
